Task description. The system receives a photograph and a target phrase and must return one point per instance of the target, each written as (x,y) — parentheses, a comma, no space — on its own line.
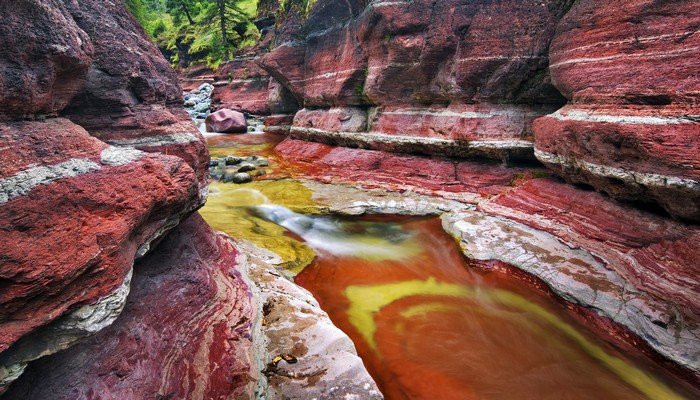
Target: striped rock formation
(242,85)
(82,91)
(632,130)
(190,279)
(470,85)
(132,96)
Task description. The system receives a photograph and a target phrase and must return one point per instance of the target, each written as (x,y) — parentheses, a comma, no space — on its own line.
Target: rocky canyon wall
(632,128)
(489,79)
(98,163)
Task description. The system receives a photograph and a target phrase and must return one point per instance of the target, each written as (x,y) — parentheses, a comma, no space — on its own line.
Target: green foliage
(137,8)
(195,27)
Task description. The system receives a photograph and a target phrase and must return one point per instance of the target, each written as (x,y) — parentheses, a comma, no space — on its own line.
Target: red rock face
(85,210)
(76,211)
(465,181)
(458,81)
(226,121)
(132,96)
(630,70)
(184,332)
(193,76)
(242,86)
(653,254)
(44,60)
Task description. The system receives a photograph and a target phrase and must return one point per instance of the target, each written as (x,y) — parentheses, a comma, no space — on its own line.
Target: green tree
(137,8)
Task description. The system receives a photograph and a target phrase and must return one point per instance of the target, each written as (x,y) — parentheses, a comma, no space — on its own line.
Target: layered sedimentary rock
(185,331)
(132,96)
(477,78)
(242,85)
(228,314)
(469,182)
(77,211)
(633,128)
(634,267)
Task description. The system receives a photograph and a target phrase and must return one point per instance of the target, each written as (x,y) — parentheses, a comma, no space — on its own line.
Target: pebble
(231,160)
(246,168)
(241,177)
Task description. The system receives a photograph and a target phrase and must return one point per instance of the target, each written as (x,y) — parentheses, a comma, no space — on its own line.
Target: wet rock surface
(238,169)
(631,266)
(304,355)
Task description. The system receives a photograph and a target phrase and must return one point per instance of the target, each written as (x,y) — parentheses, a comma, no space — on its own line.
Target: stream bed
(426,324)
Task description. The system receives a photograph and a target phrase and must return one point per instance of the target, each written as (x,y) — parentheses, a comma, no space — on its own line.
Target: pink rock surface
(243,86)
(185,331)
(630,70)
(74,213)
(226,121)
(132,96)
(500,132)
(45,58)
(465,181)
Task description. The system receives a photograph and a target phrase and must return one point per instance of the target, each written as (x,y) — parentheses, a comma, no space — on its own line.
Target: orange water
(429,327)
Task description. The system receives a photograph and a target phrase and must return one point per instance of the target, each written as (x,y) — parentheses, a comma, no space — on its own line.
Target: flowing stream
(426,324)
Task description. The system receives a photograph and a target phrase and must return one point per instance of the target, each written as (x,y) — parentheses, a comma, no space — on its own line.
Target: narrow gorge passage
(425,322)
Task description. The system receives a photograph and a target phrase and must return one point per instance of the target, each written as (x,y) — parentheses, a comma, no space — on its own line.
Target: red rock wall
(82,89)
(476,73)
(630,71)
(45,58)
(132,96)
(183,334)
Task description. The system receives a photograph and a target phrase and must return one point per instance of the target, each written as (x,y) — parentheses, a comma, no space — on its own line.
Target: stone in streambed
(238,177)
(202,107)
(246,168)
(226,121)
(232,160)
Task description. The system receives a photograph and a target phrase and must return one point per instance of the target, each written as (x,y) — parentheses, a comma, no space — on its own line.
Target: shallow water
(429,327)
(426,324)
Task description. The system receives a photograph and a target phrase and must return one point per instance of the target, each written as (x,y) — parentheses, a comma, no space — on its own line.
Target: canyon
(556,141)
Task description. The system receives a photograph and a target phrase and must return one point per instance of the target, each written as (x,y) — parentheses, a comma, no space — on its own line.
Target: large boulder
(632,131)
(226,121)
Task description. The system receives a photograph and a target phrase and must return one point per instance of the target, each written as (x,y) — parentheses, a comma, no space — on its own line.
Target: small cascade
(338,237)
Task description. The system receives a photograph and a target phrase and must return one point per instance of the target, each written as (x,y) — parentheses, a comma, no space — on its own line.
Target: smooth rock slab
(291,322)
